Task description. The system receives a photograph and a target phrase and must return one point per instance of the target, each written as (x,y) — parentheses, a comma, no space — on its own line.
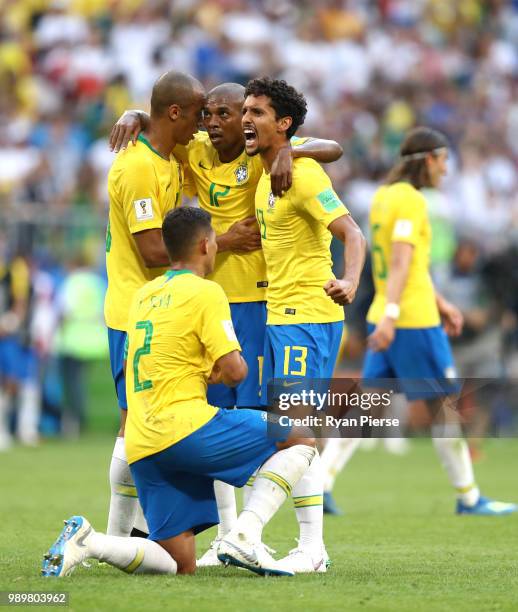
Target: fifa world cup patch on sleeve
(403,228)
(329,200)
(143,209)
(229,330)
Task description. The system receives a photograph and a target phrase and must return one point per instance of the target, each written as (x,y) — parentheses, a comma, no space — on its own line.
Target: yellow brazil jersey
(227,191)
(179,325)
(143,187)
(399,214)
(296,244)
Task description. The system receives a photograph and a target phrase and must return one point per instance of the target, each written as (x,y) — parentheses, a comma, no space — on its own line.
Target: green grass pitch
(399,547)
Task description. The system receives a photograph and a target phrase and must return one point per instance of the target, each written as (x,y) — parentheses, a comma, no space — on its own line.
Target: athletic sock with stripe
(131,555)
(307,499)
(273,483)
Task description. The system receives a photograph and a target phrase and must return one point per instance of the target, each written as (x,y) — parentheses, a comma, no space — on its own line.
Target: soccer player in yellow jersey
(408,319)
(145,181)
(180,336)
(225,179)
(304,300)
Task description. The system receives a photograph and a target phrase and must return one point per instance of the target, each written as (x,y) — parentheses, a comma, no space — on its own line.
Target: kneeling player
(180,336)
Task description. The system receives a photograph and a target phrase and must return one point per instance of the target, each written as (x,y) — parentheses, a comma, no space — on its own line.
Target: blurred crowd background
(371,69)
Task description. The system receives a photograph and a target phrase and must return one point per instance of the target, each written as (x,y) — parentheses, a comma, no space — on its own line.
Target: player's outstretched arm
(345,228)
(281,174)
(230,369)
(399,266)
(322,151)
(127,129)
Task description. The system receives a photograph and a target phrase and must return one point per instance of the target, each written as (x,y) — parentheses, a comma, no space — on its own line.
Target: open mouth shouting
(250,137)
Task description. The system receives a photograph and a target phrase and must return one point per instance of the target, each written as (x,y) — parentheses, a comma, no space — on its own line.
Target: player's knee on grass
(182,550)
(186,568)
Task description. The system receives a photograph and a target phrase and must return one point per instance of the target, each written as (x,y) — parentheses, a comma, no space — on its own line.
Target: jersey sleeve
(296,141)
(408,219)
(216,330)
(139,196)
(314,194)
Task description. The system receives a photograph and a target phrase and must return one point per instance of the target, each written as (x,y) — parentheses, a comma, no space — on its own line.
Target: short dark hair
(286,101)
(173,88)
(181,228)
(415,147)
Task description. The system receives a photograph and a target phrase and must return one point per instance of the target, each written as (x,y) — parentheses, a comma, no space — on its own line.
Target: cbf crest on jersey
(241,173)
(271,200)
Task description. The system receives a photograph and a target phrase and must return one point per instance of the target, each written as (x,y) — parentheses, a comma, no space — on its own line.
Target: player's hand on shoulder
(341,291)
(383,336)
(125,130)
(244,235)
(281,173)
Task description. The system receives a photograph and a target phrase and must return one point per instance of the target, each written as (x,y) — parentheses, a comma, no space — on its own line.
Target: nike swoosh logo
(288,384)
(252,559)
(317,565)
(202,166)
(81,540)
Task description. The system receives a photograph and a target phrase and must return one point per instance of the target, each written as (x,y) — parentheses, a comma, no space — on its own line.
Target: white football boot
(69,550)
(210,557)
(236,549)
(307,562)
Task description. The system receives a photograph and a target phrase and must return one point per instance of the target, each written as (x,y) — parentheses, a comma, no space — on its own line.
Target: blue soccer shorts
(17,362)
(176,486)
(421,359)
(300,351)
(8,352)
(116,341)
(249,319)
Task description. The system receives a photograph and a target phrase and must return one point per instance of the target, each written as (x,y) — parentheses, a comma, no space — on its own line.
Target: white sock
(123,501)
(307,499)
(247,489)
(274,482)
(140,522)
(454,455)
(28,413)
(335,456)
(131,555)
(226,500)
